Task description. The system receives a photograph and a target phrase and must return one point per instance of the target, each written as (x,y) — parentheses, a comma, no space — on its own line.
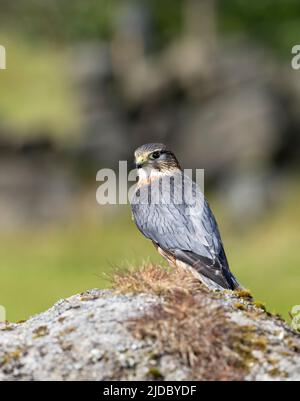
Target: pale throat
(148,174)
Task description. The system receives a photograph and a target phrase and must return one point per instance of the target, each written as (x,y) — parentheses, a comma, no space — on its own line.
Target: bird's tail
(214,274)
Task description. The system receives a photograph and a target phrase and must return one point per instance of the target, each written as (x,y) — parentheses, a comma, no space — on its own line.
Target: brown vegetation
(188,323)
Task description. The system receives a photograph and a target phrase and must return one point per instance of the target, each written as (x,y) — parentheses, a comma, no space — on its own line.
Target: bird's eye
(154,155)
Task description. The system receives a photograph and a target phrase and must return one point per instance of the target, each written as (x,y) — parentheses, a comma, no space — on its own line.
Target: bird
(170,209)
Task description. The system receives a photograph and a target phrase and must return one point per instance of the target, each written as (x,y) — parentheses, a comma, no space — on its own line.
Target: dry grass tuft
(188,324)
(156,280)
(189,328)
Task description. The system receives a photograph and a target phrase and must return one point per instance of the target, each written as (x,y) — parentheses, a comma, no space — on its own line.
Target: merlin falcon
(170,209)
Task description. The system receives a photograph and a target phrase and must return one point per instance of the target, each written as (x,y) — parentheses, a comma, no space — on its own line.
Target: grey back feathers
(176,217)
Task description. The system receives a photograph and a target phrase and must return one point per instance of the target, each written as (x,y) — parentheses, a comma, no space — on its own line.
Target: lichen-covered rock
(90,337)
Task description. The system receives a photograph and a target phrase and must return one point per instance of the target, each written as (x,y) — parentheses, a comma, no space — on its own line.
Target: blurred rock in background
(36,184)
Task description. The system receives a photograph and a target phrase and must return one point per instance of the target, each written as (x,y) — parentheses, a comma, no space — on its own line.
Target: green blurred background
(89,81)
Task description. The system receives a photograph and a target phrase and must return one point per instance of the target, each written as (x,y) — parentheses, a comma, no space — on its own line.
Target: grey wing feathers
(190,233)
(215,271)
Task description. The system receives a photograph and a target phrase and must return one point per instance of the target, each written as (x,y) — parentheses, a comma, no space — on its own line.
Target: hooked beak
(139,162)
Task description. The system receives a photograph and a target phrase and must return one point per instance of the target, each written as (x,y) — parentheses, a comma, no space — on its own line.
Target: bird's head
(155,158)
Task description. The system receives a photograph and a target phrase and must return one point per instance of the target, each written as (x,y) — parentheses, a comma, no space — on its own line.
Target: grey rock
(86,337)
